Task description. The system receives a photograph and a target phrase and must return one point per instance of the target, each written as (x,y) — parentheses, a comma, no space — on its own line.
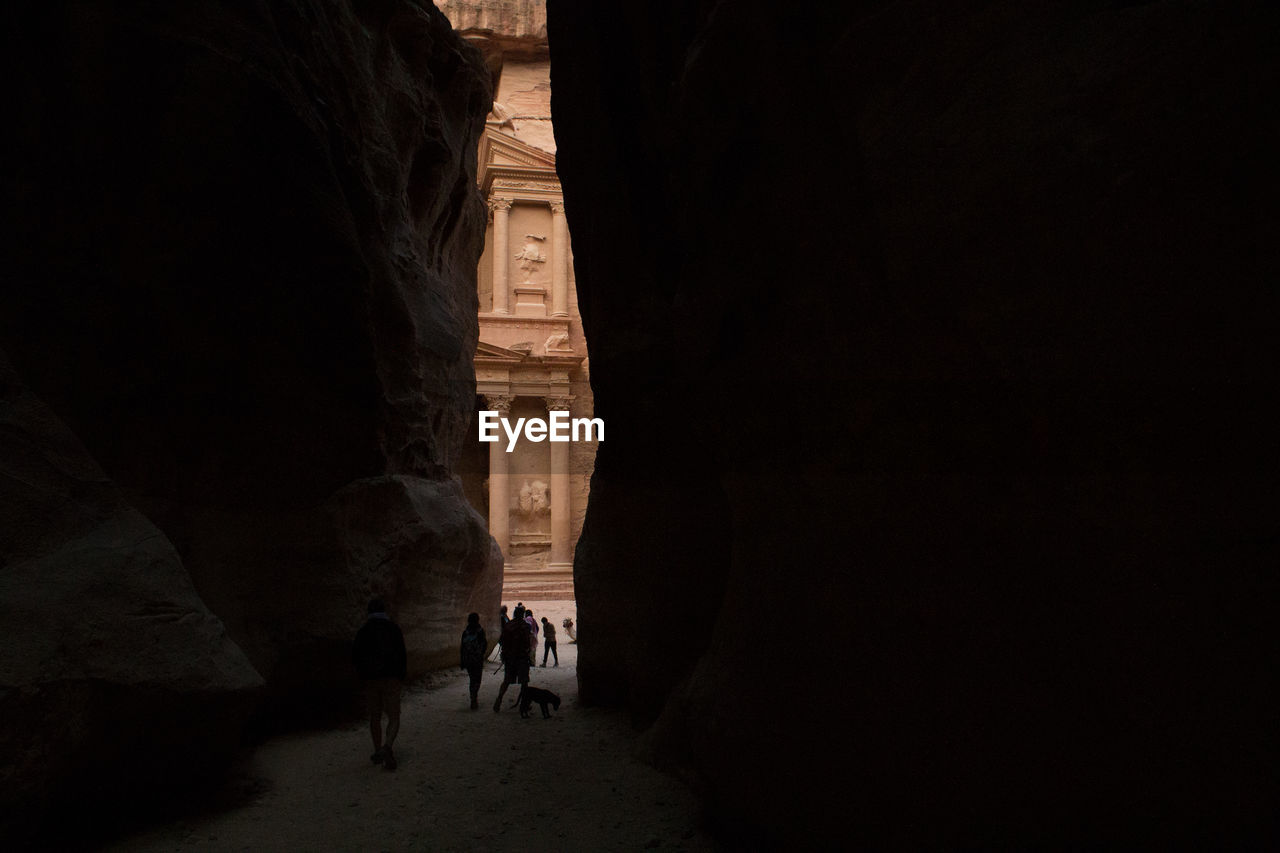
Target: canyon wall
(934,348)
(240,283)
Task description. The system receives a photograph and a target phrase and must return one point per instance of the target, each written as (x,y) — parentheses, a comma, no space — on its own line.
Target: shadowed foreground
(466,781)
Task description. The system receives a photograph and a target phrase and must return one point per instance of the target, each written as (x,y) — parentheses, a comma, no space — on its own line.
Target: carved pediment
(501,153)
(501,149)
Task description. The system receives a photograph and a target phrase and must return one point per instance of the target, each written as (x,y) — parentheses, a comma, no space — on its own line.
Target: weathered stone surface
(421,545)
(101,626)
(242,271)
(514,26)
(265,287)
(933,348)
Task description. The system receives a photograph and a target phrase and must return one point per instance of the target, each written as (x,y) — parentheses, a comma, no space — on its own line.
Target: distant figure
(502,614)
(471,654)
(569,629)
(533,636)
(549,643)
(379,656)
(515,655)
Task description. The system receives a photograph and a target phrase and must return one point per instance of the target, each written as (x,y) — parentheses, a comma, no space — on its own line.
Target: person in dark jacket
(515,654)
(379,656)
(471,654)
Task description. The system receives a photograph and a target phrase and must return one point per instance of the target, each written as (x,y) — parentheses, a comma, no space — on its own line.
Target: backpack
(379,650)
(515,640)
(473,647)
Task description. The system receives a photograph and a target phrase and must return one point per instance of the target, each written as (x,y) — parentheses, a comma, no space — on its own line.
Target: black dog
(529,695)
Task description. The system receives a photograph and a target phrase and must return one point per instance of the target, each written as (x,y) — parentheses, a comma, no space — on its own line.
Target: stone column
(499,479)
(560,259)
(501,279)
(561,546)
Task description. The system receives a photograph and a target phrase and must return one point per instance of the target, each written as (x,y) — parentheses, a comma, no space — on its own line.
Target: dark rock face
(241,270)
(935,405)
(103,629)
(387,523)
(249,241)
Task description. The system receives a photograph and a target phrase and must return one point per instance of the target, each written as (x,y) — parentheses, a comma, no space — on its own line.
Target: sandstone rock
(115,678)
(514,27)
(420,546)
(245,278)
(931,344)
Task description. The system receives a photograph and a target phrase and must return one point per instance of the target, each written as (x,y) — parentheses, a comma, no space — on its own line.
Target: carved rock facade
(532,354)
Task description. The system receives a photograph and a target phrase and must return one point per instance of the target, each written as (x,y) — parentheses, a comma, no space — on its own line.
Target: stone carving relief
(501,403)
(558,343)
(558,404)
(499,203)
(534,500)
(531,255)
(542,186)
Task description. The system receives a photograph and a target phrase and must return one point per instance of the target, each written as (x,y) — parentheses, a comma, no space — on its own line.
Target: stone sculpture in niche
(558,343)
(534,500)
(531,255)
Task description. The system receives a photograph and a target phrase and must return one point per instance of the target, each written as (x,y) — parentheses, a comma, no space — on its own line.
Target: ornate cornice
(515,183)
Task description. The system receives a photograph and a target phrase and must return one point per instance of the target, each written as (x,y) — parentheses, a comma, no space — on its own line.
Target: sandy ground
(467,780)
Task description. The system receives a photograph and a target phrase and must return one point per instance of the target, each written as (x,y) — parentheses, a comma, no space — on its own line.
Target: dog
(529,695)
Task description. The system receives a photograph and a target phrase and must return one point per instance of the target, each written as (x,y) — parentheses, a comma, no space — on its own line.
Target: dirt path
(467,780)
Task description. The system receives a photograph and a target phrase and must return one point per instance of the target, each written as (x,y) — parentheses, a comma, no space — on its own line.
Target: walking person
(549,642)
(471,655)
(379,656)
(515,655)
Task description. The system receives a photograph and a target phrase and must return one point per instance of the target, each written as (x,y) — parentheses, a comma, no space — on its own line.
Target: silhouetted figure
(533,636)
(503,619)
(549,642)
(515,654)
(379,656)
(471,653)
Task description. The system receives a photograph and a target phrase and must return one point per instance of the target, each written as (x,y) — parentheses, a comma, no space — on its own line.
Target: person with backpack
(472,652)
(515,654)
(379,656)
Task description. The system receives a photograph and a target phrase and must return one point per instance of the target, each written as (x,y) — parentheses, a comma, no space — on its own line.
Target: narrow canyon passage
(934,345)
(467,780)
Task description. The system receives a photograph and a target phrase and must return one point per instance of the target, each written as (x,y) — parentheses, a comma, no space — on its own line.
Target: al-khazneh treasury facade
(532,356)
